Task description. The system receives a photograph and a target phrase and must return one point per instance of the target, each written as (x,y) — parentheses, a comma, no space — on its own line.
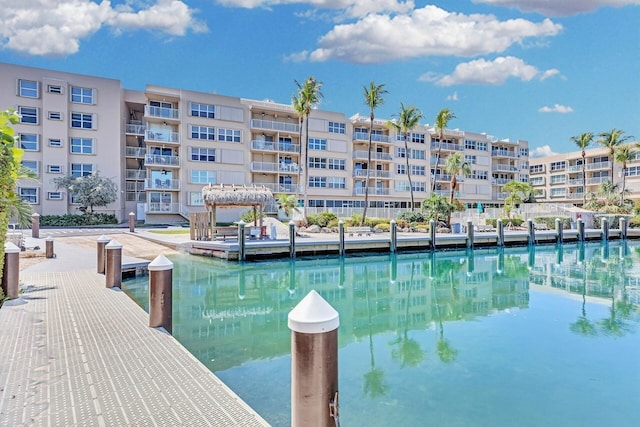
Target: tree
(610,140)
(408,118)
(89,191)
(10,168)
(373,99)
(308,97)
(297,105)
(288,203)
(437,208)
(624,153)
(455,165)
(442,119)
(518,192)
(583,141)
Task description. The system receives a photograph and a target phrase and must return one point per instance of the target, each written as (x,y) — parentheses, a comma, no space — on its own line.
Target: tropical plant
(624,153)
(437,208)
(583,141)
(456,164)
(408,118)
(610,140)
(288,203)
(89,191)
(308,96)
(296,103)
(373,99)
(518,192)
(442,119)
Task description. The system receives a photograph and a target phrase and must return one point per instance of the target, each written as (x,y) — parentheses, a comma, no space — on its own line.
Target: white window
(54,168)
(203,110)
(558,192)
(419,186)
(556,166)
(54,89)
(203,154)
(31,164)
(481,146)
(82,146)
(29,195)
(538,180)
(28,88)
(336,164)
(28,115)
(195,198)
(317,163)
(55,142)
(317,182)
(317,144)
(81,95)
(54,195)
(401,169)
(335,127)
(418,154)
(417,170)
(536,168)
(82,121)
(558,179)
(81,169)
(29,142)
(203,132)
(203,177)
(401,152)
(55,115)
(470,159)
(417,137)
(228,135)
(402,186)
(335,182)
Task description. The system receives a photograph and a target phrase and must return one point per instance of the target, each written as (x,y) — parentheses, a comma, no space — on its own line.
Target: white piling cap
(114,244)
(10,248)
(160,263)
(103,239)
(313,315)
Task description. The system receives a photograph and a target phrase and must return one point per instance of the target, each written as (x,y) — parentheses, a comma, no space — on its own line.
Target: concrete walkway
(73,352)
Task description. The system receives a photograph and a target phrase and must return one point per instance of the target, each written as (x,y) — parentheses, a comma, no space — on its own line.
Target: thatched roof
(233,195)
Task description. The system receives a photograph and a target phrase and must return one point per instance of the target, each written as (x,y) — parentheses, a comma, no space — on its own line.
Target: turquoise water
(515,337)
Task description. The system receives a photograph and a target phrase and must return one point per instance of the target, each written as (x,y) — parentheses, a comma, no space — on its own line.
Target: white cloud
(452,97)
(496,72)
(425,31)
(557,108)
(543,151)
(559,7)
(57,27)
(352,8)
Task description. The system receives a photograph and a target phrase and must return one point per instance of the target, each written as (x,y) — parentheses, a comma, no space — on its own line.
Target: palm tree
(623,154)
(408,118)
(309,96)
(583,141)
(455,165)
(373,98)
(297,105)
(288,203)
(442,119)
(611,140)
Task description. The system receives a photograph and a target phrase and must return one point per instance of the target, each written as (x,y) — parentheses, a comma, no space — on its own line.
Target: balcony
(447,193)
(134,186)
(282,188)
(443,177)
(135,152)
(375,155)
(273,167)
(373,191)
(500,195)
(447,146)
(135,196)
(598,180)
(364,136)
(275,125)
(503,153)
(161,184)
(362,173)
(162,208)
(165,137)
(259,145)
(159,160)
(134,128)
(576,181)
(136,174)
(504,168)
(162,112)
(599,165)
(500,181)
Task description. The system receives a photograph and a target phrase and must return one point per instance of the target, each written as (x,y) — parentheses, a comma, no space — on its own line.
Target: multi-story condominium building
(162,145)
(559,178)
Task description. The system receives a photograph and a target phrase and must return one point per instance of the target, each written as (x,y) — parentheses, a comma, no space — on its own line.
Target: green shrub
(516,222)
(550,221)
(402,223)
(322,219)
(614,220)
(634,222)
(72,220)
(373,222)
(382,227)
(411,216)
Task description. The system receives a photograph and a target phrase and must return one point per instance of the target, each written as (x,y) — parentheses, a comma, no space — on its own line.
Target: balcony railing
(500,181)
(162,112)
(154,159)
(504,168)
(163,208)
(500,195)
(135,196)
(275,146)
(599,165)
(135,129)
(503,153)
(375,155)
(275,125)
(163,136)
(282,188)
(447,146)
(161,184)
(576,181)
(135,151)
(273,167)
(362,173)
(364,136)
(373,191)
(136,174)
(134,186)
(443,177)
(598,180)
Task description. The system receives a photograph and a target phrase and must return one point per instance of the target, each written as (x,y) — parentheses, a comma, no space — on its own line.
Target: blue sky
(538,70)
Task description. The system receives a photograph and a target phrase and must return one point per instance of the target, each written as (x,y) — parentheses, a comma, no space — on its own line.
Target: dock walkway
(73,353)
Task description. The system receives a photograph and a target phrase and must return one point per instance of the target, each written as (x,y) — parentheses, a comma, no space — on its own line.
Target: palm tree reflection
(374,383)
(408,351)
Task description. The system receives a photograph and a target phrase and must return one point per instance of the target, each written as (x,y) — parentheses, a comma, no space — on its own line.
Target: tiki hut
(230,196)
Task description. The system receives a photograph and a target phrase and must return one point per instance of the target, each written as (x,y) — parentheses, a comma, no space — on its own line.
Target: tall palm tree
(456,164)
(583,141)
(442,119)
(624,153)
(297,105)
(372,98)
(408,118)
(610,140)
(309,96)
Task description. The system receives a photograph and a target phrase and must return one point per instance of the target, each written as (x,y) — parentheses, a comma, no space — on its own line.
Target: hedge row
(71,220)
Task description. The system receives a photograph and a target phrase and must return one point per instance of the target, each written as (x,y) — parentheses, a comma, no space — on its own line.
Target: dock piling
(113,266)
(11,271)
(160,293)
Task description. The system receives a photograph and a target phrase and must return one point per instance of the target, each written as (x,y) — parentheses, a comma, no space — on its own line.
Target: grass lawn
(172,231)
